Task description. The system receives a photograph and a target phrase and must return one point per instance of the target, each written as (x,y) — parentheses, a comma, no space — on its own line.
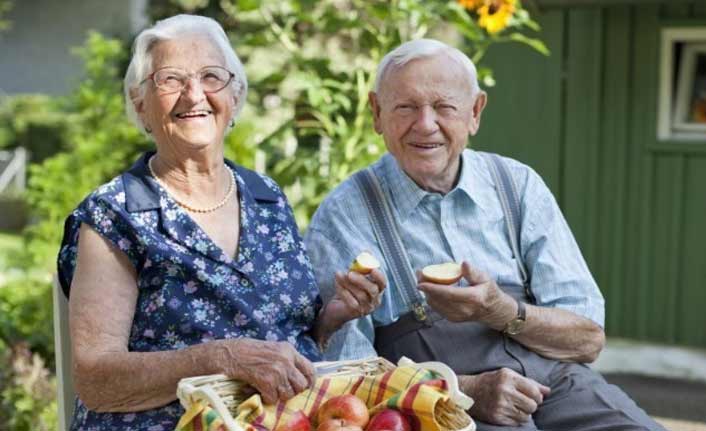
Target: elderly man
(527,313)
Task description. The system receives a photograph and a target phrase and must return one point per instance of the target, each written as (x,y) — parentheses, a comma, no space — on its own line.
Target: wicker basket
(224,394)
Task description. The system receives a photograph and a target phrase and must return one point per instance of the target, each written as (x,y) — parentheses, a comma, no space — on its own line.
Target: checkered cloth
(414,392)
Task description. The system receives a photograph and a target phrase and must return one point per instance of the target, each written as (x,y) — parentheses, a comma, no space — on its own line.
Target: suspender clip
(420,313)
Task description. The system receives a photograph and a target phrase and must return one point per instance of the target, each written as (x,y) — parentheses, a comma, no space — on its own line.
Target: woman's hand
(275,369)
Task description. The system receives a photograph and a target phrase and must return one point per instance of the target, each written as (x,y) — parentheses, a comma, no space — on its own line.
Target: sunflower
(494,15)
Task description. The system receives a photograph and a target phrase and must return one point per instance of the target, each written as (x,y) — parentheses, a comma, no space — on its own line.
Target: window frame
(667,97)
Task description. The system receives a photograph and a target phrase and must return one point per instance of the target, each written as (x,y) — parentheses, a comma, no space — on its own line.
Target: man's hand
(481,301)
(356,295)
(503,397)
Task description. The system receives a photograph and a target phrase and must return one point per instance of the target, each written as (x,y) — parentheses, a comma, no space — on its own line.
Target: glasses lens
(169,79)
(214,78)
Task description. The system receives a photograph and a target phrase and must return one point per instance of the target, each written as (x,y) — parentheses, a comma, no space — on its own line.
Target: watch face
(514,326)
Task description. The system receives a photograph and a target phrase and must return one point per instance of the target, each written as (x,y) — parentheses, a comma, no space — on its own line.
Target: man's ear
(375,109)
(478,106)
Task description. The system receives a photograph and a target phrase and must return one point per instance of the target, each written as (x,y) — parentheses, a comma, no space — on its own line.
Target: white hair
(424,48)
(173,28)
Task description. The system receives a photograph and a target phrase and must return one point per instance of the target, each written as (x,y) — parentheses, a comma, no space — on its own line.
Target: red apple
(297,422)
(350,409)
(389,420)
(337,425)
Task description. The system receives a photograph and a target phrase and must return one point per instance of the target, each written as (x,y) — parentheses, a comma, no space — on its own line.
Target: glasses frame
(150,77)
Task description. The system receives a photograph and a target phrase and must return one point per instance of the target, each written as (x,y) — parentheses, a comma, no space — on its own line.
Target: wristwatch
(515,326)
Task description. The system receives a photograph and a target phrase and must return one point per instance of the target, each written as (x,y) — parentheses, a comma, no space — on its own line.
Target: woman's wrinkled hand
(274,368)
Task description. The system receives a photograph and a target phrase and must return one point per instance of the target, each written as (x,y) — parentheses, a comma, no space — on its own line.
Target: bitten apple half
(443,273)
(364,263)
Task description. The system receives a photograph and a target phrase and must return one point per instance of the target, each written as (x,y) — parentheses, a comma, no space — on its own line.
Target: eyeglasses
(172,79)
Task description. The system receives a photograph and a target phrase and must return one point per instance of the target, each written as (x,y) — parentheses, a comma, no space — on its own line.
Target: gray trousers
(581,400)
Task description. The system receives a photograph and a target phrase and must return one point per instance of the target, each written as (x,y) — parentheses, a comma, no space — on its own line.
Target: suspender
(388,235)
(510,201)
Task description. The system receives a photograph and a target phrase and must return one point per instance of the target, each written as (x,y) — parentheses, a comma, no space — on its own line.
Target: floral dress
(190,292)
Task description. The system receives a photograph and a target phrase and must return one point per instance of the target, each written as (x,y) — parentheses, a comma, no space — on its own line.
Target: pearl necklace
(229,193)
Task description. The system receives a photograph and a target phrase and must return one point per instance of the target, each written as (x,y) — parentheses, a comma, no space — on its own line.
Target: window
(682,95)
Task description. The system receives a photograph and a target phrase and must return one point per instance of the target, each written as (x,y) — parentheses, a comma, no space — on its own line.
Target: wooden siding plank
(676,210)
(662,306)
(583,92)
(639,285)
(698,10)
(675,10)
(692,301)
(528,94)
(613,168)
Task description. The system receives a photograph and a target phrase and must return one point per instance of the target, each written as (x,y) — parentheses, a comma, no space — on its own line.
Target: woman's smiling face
(190,117)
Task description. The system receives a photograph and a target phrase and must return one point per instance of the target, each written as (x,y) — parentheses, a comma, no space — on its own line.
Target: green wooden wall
(585,118)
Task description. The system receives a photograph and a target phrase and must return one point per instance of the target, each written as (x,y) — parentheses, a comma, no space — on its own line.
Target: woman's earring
(232,123)
(148,129)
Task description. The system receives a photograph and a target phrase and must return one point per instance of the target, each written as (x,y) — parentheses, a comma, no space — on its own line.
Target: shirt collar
(402,190)
(475,179)
(141,191)
(406,194)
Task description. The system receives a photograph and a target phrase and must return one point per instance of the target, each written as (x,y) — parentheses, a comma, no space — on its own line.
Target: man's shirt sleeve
(330,250)
(560,276)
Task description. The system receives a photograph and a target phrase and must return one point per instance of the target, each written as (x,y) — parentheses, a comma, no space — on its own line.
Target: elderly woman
(187,264)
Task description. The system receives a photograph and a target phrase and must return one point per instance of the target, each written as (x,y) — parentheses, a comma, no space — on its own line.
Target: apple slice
(443,273)
(364,263)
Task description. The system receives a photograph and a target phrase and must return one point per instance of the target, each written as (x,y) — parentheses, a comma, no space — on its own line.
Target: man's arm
(551,332)
(353,340)
(566,321)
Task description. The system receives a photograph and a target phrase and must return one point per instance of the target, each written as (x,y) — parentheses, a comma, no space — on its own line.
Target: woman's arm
(109,378)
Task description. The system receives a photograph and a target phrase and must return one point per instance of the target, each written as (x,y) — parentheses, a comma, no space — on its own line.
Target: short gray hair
(173,28)
(423,48)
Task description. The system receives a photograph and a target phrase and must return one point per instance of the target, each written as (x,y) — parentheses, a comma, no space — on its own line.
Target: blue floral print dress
(190,292)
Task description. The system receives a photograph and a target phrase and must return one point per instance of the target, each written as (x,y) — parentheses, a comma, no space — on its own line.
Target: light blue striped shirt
(465,224)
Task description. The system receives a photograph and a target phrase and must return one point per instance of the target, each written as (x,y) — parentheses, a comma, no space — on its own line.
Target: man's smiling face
(425,111)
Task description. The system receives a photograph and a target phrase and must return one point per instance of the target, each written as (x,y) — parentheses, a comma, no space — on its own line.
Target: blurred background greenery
(310,66)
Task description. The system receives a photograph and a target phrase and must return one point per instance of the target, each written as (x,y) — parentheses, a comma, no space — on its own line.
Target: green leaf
(536,44)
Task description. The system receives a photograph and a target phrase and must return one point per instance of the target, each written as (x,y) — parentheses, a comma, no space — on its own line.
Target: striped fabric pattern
(200,417)
(414,392)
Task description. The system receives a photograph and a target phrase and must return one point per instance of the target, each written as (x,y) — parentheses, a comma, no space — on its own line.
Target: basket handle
(458,397)
(190,392)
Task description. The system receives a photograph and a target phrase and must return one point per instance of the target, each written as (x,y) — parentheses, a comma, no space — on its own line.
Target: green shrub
(27,391)
(26,314)
(35,122)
